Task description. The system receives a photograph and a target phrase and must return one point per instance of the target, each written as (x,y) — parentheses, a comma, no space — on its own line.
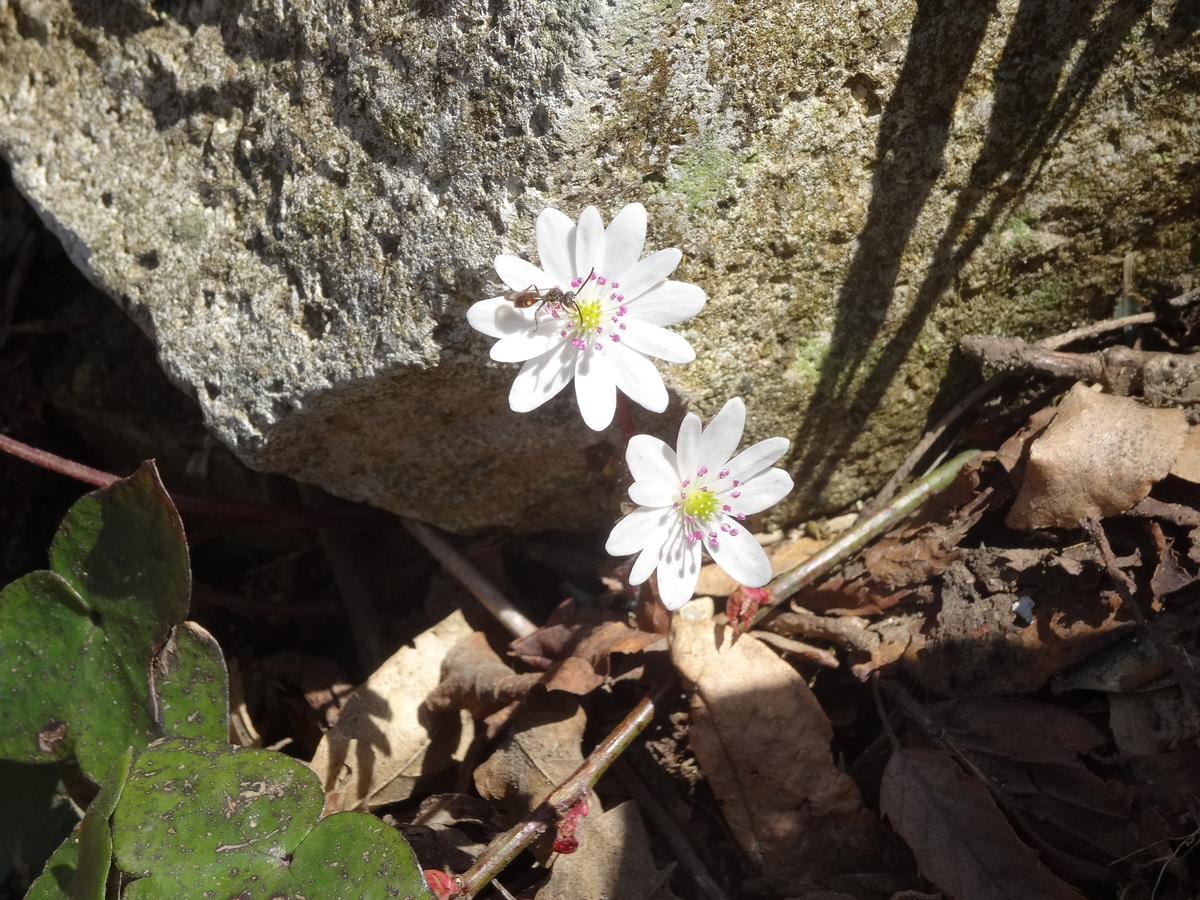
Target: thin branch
(1055,342)
(863,532)
(504,849)
(470,577)
(674,836)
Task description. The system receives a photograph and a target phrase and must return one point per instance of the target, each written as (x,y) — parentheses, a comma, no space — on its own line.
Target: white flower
(696,497)
(604,334)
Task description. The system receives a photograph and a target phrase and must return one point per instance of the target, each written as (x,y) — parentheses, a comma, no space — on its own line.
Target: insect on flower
(608,326)
(554,297)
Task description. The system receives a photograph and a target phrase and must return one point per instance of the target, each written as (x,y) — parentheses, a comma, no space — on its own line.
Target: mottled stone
(298,201)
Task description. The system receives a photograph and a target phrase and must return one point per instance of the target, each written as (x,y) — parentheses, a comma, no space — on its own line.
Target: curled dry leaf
(474,678)
(385,740)
(762,740)
(962,842)
(1099,457)
(541,750)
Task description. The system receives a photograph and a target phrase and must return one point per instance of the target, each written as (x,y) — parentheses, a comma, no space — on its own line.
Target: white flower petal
(668,304)
(688,445)
(526,344)
(723,434)
(652,460)
(757,458)
(595,389)
(761,492)
(497,318)
(654,493)
(634,532)
(555,240)
(656,341)
(542,378)
(625,239)
(741,556)
(678,571)
(549,339)
(520,274)
(652,555)
(589,243)
(646,273)
(637,378)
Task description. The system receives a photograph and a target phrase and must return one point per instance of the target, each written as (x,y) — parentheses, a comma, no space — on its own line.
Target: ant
(549,297)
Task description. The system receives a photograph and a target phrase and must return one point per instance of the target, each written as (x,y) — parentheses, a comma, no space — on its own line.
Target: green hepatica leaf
(79,868)
(94,655)
(201,819)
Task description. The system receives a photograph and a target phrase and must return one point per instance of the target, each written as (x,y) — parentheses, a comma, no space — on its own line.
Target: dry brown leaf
(762,740)
(540,752)
(474,678)
(575,646)
(962,842)
(1148,722)
(1187,464)
(1169,576)
(613,861)
(979,645)
(1029,753)
(1097,458)
(385,740)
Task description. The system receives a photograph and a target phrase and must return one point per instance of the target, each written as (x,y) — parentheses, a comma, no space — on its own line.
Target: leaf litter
(1026,727)
(1010,710)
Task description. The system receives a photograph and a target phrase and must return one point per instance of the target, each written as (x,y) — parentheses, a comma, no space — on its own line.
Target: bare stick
(863,531)
(504,849)
(470,577)
(672,834)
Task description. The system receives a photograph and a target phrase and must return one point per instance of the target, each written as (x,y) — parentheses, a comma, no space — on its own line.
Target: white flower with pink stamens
(696,498)
(613,315)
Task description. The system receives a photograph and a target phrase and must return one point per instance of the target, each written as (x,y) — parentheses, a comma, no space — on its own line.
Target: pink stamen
(724,473)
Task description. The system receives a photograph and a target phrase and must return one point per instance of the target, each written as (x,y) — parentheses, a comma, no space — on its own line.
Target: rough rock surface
(298,201)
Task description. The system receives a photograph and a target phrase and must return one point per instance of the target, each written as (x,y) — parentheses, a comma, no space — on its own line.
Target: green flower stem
(863,532)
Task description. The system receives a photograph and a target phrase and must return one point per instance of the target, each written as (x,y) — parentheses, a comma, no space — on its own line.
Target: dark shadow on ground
(1031,113)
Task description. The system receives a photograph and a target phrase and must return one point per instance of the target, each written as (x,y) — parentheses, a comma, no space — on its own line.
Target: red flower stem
(54,463)
(504,849)
(201,506)
(863,532)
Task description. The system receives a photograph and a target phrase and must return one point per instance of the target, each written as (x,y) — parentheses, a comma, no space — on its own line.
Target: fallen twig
(863,531)
(504,849)
(1163,378)
(471,578)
